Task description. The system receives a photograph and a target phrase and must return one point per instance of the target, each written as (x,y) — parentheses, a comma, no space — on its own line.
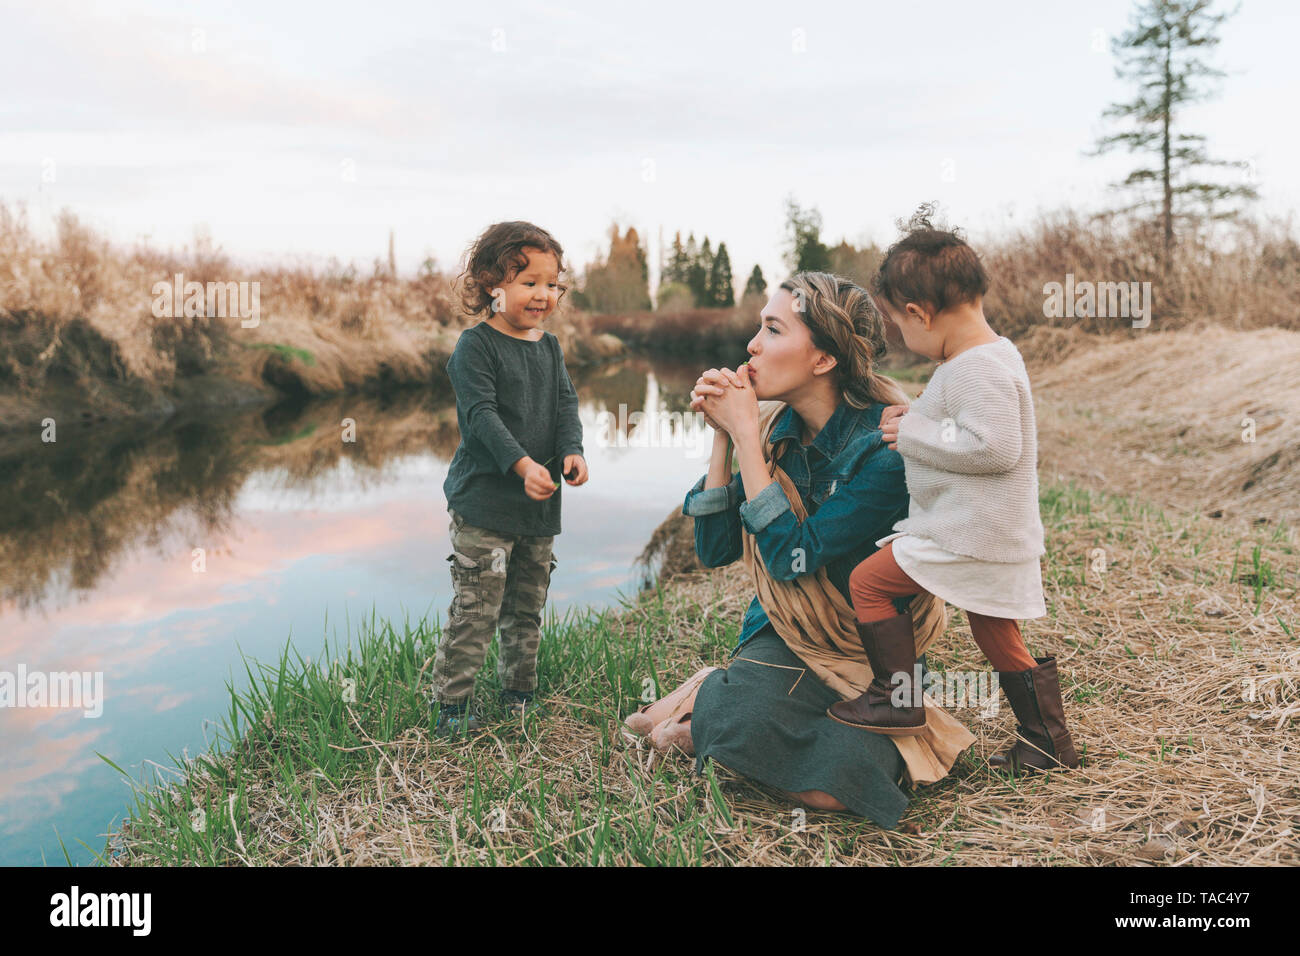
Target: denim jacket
(853,487)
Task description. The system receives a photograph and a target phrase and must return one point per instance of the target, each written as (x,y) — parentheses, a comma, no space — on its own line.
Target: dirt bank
(92,331)
(1204,420)
(76,371)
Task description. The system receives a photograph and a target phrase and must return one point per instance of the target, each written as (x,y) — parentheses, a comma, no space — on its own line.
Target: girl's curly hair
(930,265)
(497,256)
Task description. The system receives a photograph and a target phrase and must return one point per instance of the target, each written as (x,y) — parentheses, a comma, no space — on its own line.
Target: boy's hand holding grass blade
(538,483)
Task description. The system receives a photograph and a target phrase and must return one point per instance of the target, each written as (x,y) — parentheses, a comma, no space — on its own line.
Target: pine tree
(756,284)
(673,294)
(704,292)
(1160,54)
(697,276)
(721,292)
(805,252)
(678,263)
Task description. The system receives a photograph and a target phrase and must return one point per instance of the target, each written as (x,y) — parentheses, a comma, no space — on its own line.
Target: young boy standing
(519,429)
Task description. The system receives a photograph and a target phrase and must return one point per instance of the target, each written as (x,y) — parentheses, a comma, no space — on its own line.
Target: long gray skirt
(769,723)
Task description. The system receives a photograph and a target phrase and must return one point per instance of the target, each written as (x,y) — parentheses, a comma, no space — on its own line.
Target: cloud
(163,71)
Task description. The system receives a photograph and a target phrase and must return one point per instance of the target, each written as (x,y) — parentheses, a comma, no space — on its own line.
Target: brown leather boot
(890,647)
(1035,697)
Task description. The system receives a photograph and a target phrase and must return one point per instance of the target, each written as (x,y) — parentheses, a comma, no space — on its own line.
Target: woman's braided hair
(845,325)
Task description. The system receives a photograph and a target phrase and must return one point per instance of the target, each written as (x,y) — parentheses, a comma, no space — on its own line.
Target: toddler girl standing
(973,535)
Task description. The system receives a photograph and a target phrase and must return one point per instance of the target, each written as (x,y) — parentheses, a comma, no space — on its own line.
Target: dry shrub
(1241,276)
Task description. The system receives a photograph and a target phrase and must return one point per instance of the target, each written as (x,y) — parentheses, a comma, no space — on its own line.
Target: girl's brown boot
(1044,740)
(891,648)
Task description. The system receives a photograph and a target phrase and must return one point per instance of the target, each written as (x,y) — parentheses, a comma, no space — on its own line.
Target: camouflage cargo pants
(499,579)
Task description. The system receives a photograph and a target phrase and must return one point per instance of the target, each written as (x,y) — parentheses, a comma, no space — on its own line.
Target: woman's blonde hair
(844,324)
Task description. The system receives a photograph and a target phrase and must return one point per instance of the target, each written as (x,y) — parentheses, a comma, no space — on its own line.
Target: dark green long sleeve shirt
(513,398)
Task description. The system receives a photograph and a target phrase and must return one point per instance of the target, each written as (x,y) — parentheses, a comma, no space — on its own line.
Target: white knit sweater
(970,446)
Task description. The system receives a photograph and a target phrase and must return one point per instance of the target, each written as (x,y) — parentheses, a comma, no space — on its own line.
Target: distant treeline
(697,276)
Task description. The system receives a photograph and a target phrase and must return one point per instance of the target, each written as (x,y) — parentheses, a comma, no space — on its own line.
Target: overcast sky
(308,130)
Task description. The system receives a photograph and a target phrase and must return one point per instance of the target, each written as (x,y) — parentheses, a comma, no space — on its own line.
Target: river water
(149,557)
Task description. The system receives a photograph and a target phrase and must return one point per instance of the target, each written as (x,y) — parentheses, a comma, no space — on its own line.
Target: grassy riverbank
(1160,620)
(82,337)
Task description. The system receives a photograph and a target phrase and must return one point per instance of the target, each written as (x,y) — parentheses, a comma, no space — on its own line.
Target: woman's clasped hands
(727,400)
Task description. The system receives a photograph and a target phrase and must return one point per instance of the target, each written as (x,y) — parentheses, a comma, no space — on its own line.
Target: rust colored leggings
(878,580)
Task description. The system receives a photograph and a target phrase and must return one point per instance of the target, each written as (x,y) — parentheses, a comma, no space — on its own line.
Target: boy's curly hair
(497,256)
(930,266)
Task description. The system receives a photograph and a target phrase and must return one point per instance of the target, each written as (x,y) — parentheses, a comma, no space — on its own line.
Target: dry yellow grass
(1243,276)
(1180,689)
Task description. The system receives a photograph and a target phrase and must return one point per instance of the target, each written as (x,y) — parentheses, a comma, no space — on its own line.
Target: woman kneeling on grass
(816,488)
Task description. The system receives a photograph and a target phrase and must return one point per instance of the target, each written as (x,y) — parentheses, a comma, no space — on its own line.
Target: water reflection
(151,554)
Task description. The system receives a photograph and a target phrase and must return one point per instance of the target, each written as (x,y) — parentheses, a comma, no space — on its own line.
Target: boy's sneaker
(455,720)
(517,702)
